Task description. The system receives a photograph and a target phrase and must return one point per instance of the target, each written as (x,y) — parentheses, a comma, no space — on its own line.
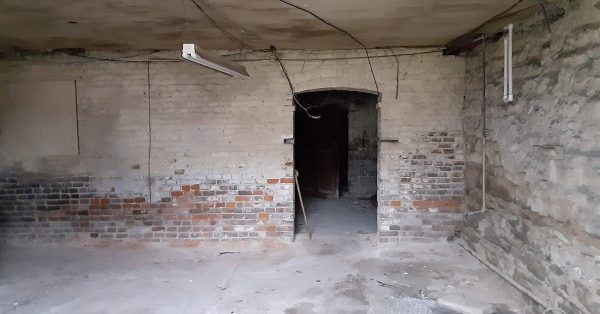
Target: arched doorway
(335,153)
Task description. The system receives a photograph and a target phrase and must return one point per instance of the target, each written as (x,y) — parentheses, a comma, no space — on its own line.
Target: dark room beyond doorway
(335,151)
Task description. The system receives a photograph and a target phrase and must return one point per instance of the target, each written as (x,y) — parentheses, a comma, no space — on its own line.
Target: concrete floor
(338,271)
(347,215)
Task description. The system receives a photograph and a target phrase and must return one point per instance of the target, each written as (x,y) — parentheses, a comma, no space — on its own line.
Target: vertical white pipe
(505,95)
(509,96)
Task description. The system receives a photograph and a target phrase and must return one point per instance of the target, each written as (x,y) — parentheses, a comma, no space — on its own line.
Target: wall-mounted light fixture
(192,53)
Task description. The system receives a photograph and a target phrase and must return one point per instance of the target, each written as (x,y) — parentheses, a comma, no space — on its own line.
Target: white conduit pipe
(508,81)
(505,90)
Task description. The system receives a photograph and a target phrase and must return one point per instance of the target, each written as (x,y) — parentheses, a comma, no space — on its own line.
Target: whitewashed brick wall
(207,126)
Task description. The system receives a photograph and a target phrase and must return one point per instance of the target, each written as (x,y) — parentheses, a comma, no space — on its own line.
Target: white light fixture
(508,81)
(192,53)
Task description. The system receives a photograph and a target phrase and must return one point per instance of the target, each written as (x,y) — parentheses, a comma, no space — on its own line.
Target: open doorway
(335,153)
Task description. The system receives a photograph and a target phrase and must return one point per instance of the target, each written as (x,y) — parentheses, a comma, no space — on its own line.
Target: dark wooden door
(317,151)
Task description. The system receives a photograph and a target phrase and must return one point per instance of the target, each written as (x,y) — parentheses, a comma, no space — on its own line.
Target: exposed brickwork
(432,189)
(206,126)
(69,208)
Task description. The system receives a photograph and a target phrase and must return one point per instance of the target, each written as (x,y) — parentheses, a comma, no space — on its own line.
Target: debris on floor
(332,273)
(465,305)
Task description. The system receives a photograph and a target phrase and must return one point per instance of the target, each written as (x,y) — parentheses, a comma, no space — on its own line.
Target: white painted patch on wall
(38,119)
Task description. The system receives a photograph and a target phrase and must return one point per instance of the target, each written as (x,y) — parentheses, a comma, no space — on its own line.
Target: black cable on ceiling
(245,52)
(338,58)
(343,31)
(149,137)
(219,27)
(499,15)
(116,59)
(545,15)
(120,59)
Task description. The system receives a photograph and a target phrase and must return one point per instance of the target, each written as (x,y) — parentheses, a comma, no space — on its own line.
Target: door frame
(342,89)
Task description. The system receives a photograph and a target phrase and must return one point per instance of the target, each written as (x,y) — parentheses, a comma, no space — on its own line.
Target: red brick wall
(70,208)
(431,184)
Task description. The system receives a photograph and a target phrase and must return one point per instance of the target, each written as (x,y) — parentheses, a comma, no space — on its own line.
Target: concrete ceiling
(166,24)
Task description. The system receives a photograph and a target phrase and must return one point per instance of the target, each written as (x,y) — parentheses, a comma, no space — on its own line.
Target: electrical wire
(219,27)
(501,14)
(149,138)
(497,16)
(305,107)
(121,59)
(545,15)
(118,59)
(323,102)
(344,58)
(484,132)
(343,31)
(397,72)
(287,77)
(98,59)
(245,52)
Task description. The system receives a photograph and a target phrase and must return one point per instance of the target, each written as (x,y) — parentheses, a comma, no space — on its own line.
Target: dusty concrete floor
(345,216)
(335,272)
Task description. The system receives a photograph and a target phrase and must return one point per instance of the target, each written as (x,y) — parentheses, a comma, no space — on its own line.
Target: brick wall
(70,208)
(431,179)
(208,127)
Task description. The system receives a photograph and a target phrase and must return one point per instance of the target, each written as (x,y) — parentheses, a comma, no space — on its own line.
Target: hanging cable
(501,14)
(484,132)
(397,71)
(122,59)
(340,58)
(545,12)
(336,58)
(149,138)
(245,52)
(219,27)
(97,59)
(287,77)
(343,31)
